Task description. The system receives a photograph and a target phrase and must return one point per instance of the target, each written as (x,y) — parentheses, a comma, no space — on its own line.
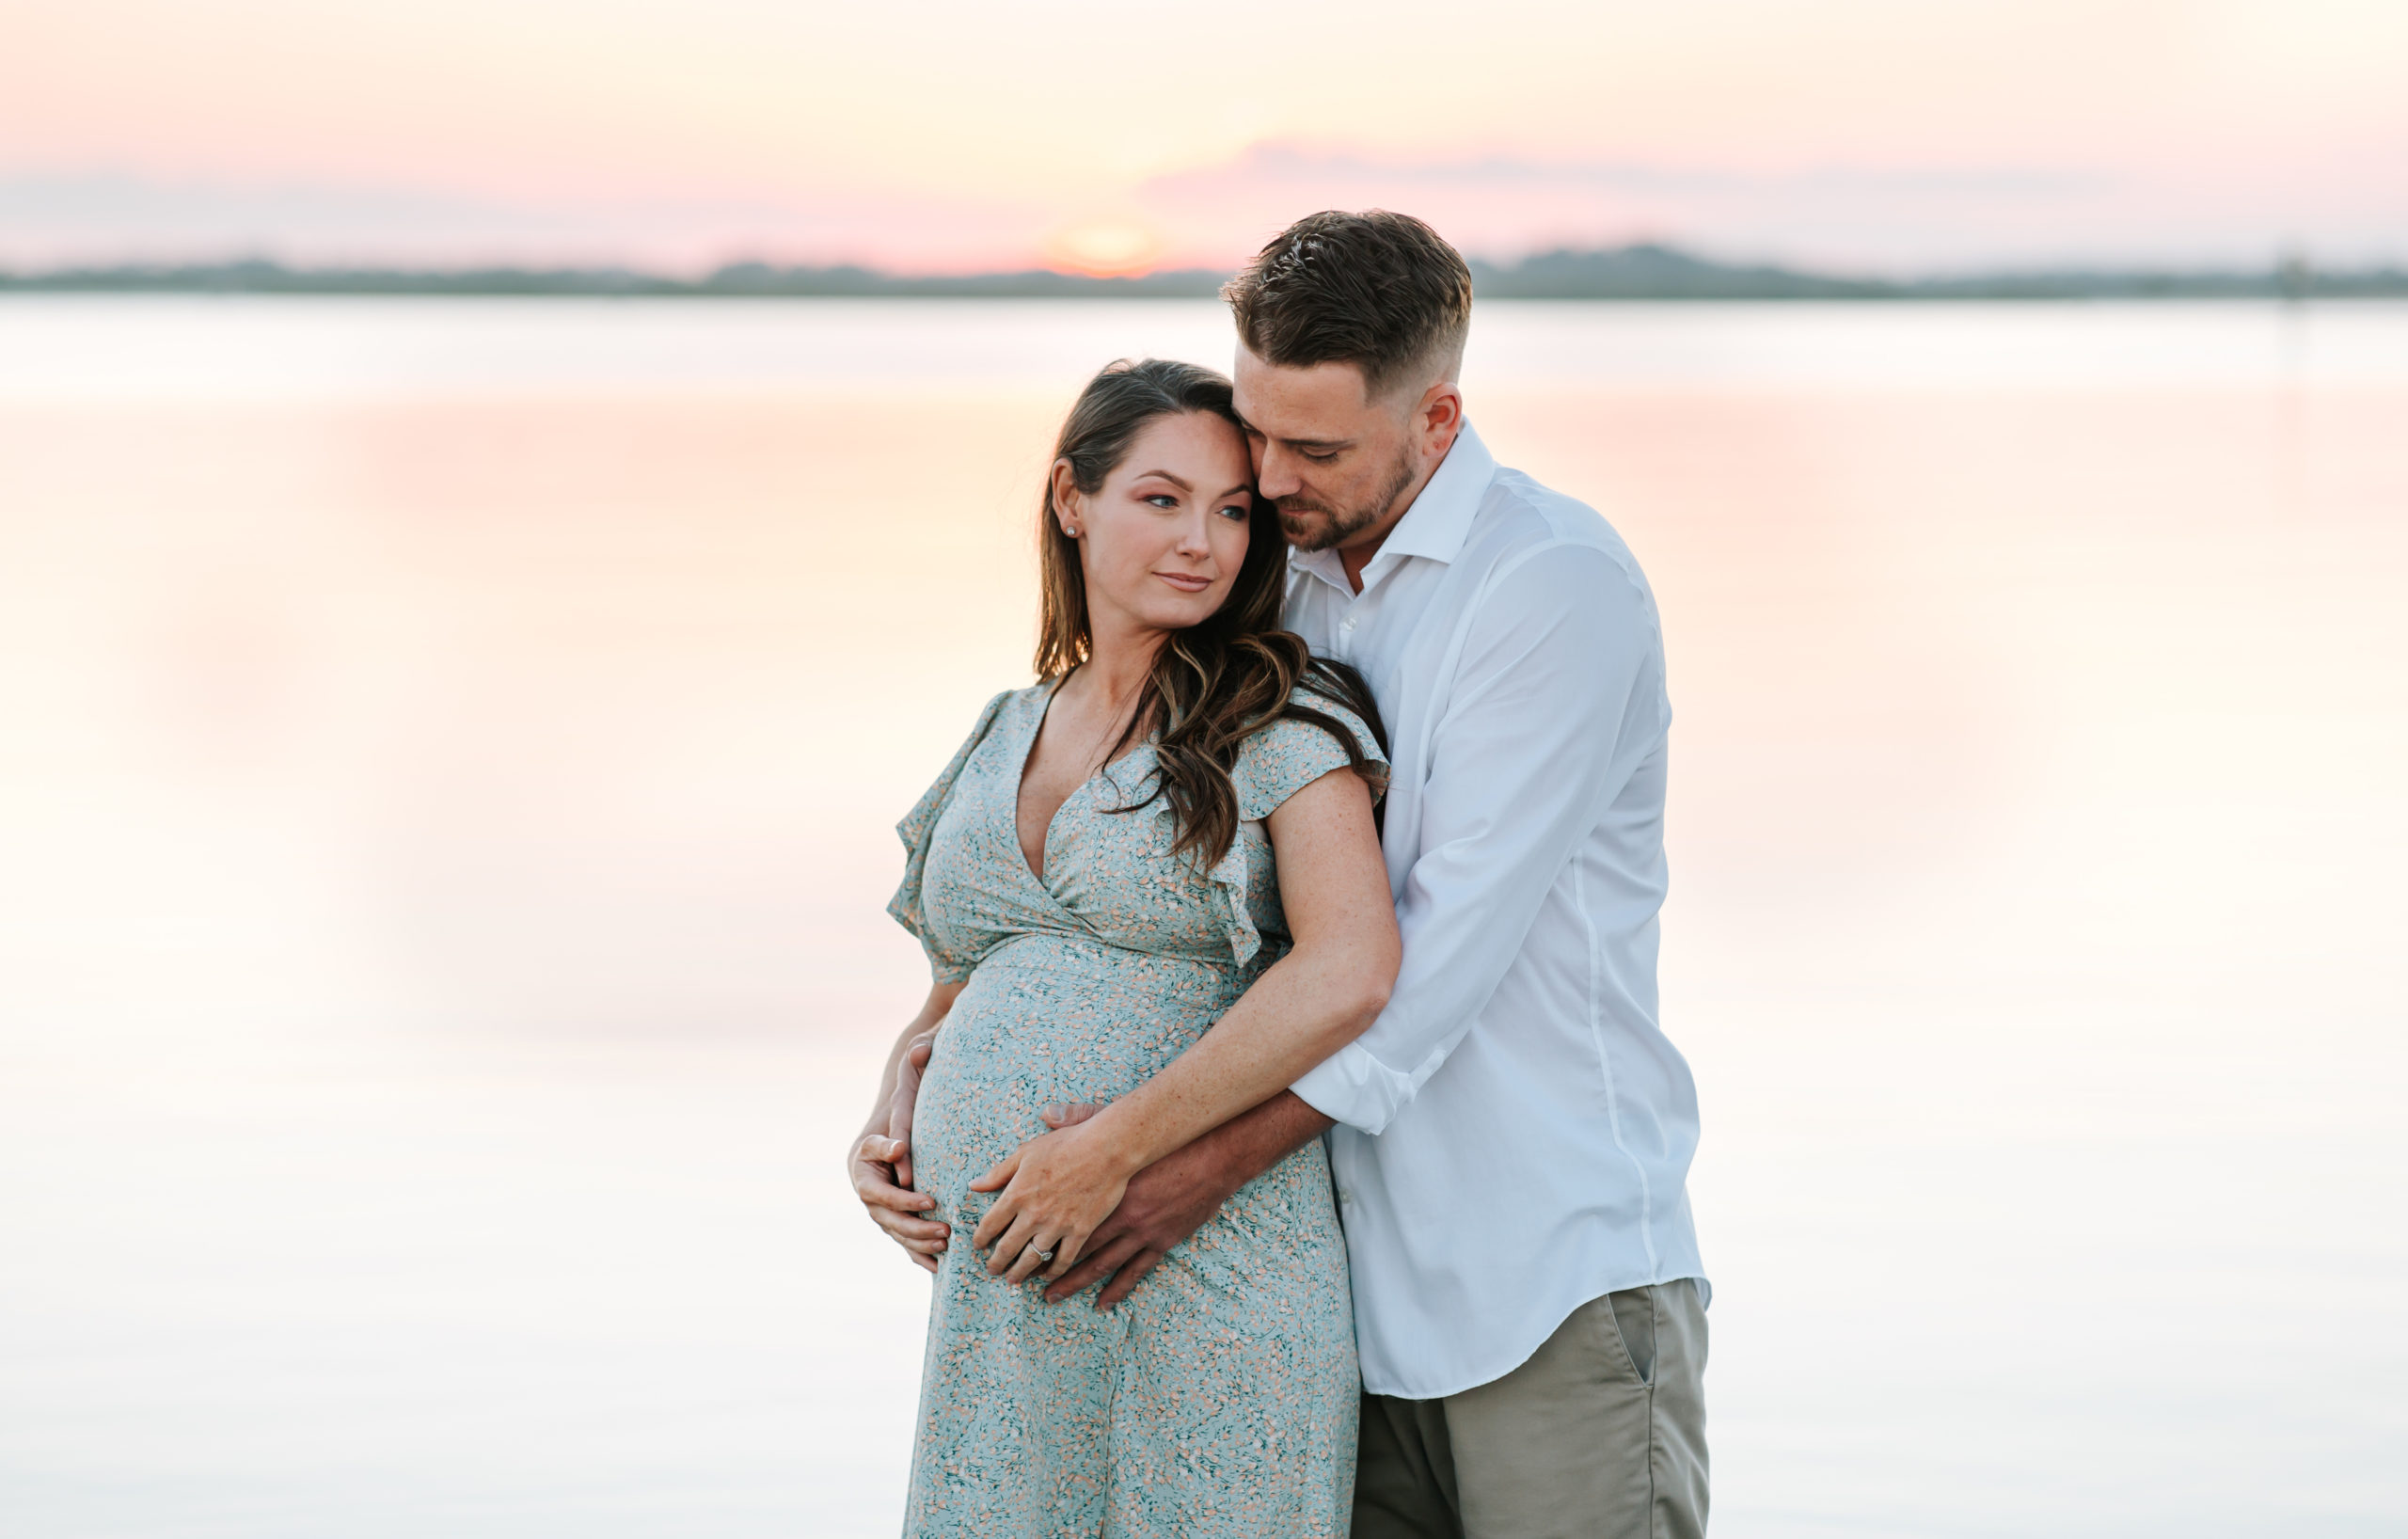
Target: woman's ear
(1069,507)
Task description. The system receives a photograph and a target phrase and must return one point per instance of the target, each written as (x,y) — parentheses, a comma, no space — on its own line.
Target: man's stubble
(1340,526)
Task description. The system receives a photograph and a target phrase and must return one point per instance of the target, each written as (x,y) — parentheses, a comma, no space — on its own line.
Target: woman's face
(1160,542)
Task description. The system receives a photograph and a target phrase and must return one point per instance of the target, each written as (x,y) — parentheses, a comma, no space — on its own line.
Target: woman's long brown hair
(1220,681)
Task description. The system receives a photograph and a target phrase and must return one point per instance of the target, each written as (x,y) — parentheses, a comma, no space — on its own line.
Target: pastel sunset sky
(946,136)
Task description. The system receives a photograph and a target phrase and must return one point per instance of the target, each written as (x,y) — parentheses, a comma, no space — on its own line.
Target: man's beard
(1340,527)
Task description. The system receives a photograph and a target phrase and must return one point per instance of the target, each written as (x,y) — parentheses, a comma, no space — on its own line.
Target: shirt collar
(1440,518)
(1439,521)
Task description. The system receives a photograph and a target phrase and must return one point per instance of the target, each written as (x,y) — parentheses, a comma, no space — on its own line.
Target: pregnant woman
(1151,880)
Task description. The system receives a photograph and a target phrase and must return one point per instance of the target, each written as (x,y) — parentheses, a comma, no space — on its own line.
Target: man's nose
(1276,474)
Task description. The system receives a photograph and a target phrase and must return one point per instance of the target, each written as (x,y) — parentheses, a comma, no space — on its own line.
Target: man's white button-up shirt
(1514,1131)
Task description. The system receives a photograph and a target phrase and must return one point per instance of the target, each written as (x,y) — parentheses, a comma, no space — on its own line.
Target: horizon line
(1644,270)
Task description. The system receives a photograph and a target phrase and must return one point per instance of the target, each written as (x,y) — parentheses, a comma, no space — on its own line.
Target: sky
(1883,136)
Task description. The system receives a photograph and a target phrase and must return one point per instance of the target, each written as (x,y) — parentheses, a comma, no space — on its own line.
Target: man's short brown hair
(1377,289)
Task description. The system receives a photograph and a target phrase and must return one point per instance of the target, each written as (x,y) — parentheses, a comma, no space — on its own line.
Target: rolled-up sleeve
(1535,742)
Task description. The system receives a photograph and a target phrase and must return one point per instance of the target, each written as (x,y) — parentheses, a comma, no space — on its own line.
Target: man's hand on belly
(1177,1194)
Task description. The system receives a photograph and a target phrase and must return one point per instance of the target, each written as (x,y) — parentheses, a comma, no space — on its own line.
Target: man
(1512,1136)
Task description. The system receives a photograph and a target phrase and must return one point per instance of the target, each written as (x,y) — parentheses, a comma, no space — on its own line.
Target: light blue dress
(1220,1399)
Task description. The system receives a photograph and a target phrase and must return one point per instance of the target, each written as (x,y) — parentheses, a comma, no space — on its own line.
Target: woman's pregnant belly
(1049,1019)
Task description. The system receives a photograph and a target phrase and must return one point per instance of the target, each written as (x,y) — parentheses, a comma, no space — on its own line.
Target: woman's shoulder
(1311,712)
(1010,703)
(1299,748)
(994,716)
(1027,694)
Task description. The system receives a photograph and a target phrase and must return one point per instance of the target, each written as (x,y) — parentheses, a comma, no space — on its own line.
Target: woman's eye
(1238,511)
(1163,499)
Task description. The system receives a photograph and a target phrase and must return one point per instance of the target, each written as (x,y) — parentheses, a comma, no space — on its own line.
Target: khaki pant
(1600,1435)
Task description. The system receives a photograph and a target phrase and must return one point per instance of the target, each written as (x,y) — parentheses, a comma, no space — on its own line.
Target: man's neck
(1353,557)
(1357,553)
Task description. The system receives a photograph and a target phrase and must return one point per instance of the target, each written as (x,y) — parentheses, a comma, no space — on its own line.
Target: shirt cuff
(1355,1089)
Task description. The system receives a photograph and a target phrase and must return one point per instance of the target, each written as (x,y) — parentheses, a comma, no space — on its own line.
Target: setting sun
(1103,249)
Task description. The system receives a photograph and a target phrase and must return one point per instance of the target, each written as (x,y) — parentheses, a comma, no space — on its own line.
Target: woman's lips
(1184,583)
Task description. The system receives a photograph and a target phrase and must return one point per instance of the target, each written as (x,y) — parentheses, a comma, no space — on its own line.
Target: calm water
(449,750)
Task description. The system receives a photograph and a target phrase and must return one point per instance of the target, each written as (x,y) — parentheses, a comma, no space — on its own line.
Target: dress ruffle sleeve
(918,826)
(1274,765)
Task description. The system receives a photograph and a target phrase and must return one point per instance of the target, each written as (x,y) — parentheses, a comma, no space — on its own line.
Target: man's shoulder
(1524,522)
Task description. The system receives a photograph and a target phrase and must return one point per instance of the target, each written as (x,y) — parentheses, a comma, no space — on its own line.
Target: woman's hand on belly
(1055,1189)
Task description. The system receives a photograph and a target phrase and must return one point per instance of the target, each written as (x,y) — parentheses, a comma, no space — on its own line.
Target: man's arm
(1172,1197)
(1532,749)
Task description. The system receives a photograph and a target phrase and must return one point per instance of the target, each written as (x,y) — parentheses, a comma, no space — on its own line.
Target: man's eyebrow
(1297,443)
(1165,475)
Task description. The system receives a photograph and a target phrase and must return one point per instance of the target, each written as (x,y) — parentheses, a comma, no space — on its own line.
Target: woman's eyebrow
(1165,475)
(1246,487)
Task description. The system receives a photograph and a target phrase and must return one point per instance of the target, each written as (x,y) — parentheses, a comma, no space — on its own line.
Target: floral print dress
(1220,1397)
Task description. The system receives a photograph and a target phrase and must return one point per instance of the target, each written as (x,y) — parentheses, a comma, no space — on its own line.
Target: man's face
(1330,458)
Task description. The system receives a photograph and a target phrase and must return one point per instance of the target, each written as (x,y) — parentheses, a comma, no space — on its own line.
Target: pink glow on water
(451,754)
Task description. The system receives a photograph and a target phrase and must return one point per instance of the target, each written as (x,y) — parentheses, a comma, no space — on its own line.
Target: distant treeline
(1630,272)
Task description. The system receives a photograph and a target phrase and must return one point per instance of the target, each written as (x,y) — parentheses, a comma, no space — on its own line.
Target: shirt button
(1349,625)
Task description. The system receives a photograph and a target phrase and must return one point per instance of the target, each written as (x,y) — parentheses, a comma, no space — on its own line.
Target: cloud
(1894,218)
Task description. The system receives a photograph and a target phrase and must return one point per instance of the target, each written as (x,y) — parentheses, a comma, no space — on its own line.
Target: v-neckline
(1044,861)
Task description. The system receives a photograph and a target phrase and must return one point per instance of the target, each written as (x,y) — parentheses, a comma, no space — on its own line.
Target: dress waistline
(1051,951)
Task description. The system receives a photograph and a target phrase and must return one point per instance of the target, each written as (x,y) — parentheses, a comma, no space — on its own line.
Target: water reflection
(451,752)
